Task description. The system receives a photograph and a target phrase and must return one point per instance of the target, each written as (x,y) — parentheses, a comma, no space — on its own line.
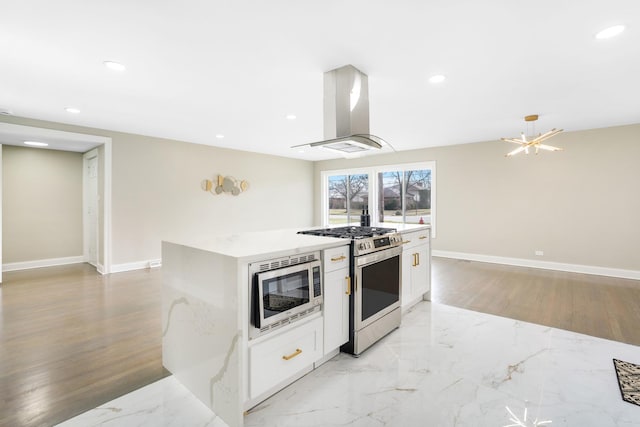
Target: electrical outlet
(539,253)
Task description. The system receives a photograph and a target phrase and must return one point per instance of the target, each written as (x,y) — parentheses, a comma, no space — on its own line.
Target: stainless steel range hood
(346,113)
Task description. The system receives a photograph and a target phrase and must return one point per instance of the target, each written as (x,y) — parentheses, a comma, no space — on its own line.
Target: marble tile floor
(445,366)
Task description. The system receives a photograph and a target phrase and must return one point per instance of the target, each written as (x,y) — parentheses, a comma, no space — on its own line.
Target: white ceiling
(197,68)
(11,134)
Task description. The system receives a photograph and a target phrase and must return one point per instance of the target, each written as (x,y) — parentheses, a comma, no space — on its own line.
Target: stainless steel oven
(377,285)
(283,290)
(374,268)
(376,297)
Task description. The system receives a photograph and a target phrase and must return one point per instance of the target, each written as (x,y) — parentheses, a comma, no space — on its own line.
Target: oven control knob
(362,246)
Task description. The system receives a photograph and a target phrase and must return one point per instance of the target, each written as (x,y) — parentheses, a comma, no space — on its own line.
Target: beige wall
(156,191)
(157,194)
(579,206)
(42,204)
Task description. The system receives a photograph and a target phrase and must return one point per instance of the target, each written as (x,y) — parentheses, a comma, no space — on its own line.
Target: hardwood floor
(71,339)
(604,307)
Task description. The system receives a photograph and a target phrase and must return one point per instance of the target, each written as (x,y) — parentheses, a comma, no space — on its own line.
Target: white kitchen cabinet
(416,267)
(337,288)
(274,361)
(206,316)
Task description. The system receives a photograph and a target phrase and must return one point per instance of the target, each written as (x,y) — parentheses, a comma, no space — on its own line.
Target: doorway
(96,219)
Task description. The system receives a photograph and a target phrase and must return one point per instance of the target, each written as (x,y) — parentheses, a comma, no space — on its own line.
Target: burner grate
(349,232)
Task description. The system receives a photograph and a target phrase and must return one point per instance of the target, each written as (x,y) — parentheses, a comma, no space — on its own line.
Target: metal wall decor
(225,184)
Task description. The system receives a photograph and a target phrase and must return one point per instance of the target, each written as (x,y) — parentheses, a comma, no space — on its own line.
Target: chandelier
(535,142)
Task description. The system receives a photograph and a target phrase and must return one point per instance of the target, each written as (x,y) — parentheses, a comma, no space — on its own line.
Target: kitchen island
(205,313)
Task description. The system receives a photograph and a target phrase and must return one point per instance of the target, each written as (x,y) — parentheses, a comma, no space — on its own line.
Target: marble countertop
(256,245)
(263,244)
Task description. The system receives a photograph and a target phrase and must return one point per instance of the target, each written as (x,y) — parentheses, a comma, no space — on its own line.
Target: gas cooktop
(350,232)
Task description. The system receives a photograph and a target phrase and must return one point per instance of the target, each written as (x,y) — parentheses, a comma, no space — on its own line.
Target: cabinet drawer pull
(422,237)
(340,258)
(405,242)
(348,285)
(292,355)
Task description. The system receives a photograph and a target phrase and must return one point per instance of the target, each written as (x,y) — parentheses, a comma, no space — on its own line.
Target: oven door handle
(374,257)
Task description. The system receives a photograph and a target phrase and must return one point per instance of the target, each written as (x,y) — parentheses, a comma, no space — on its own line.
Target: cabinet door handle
(415,260)
(422,237)
(348,285)
(292,355)
(340,258)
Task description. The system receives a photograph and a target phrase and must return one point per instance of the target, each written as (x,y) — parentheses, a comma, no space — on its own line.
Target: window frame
(372,172)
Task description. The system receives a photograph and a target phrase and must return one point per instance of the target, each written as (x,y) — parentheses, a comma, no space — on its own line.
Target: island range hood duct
(346,113)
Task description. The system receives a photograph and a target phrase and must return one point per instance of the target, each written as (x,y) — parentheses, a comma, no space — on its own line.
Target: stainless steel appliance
(284,290)
(375,271)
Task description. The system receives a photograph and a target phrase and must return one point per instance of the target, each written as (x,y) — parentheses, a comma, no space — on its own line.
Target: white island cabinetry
(416,267)
(206,321)
(277,361)
(337,288)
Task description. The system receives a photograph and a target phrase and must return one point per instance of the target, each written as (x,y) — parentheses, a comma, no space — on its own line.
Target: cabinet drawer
(415,238)
(276,359)
(335,258)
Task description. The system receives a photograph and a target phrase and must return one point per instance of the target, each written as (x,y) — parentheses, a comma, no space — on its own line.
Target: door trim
(86,194)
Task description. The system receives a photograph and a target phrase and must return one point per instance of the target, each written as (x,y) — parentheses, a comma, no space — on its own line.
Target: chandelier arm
(549,147)
(516,151)
(516,141)
(552,132)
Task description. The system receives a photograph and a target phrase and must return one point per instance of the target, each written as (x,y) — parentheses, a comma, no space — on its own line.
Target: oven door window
(282,293)
(380,286)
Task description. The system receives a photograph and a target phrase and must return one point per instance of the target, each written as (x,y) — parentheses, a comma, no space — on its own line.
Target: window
(404,194)
(348,196)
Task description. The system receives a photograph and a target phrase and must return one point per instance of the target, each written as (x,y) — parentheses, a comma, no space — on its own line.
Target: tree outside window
(405,196)
(348,196)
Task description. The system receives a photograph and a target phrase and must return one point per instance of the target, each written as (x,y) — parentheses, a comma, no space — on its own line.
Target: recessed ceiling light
(36,143)
(291,116)
(610,32)
(116,66)
(72,110)
(438,78)
(300,151)
(219,136)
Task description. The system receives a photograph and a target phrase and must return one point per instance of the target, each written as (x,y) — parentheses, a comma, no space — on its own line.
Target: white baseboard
(138,265)
(546,265)
(100,269)
(39,263)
